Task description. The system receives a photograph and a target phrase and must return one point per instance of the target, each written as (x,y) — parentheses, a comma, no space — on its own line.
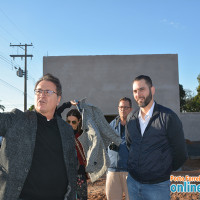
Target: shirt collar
(43,118)
(149,113)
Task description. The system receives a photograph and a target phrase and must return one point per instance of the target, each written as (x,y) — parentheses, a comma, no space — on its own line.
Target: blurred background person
(117,172)
(74,119)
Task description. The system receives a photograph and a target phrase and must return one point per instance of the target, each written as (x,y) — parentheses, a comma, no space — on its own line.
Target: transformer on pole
(22,73)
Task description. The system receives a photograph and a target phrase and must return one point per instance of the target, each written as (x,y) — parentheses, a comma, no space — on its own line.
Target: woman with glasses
(74,119)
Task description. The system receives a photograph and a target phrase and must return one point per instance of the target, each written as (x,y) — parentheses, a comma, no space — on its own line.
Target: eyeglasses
(73,122)
(123,107)
(46,92)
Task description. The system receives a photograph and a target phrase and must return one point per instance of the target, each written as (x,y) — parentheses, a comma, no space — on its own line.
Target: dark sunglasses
(73,122)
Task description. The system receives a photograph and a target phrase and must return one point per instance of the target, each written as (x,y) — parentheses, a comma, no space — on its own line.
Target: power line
(13,24)
(17,27)
(9,33)
(15,67)
(10,105)
(13,87)
(7,106)
(8,62)
(25,69)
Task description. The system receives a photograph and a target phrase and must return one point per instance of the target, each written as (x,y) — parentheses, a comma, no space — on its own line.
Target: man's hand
(74,103)
(113,147)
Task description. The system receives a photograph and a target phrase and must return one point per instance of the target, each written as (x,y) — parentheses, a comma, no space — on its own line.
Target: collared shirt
(144,122)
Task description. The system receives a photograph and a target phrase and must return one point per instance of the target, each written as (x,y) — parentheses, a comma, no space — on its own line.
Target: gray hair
(53,79)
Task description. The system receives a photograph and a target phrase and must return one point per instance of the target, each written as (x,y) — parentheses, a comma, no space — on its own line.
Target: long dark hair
(77,114)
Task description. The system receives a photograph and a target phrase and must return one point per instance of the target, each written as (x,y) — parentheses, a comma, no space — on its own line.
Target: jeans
(139,191)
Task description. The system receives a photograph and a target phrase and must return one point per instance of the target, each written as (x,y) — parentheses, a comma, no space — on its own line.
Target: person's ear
(58,100)
(153,90)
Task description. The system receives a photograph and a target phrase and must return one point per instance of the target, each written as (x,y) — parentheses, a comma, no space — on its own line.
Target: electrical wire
(30,75)
(13,87)
(13,24)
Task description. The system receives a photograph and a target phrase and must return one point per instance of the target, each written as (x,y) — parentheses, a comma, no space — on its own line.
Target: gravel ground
(96,191)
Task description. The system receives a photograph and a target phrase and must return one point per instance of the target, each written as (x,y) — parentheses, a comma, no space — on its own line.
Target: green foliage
(189,102)
(182,94)
(193,104)
(31,108)
(198,88)
(2,107)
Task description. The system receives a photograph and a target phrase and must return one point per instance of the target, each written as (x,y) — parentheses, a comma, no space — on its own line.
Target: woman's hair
(75,113)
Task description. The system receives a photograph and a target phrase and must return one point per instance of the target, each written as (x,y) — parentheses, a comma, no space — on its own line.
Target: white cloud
(172,23)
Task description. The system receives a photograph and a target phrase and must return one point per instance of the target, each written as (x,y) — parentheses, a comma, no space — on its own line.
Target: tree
(2,107)
(182,94)
(198,88)
(31,108)
(189,102)
(195,101)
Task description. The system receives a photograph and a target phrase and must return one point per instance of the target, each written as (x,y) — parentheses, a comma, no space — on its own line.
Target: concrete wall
(191,125)
(105,79)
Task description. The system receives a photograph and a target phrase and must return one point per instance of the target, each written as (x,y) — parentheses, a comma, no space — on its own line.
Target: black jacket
(63,107)
(161,149)
(19,132)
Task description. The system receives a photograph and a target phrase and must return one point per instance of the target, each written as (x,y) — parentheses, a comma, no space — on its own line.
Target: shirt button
(26,170)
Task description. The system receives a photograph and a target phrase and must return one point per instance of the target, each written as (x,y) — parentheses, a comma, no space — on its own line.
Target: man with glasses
(117,172)
(156,145)
(37,157)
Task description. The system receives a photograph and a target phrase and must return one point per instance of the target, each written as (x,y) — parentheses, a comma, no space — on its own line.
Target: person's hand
(113,147)
(73,102)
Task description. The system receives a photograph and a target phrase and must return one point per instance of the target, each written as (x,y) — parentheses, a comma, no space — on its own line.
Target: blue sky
(94,27)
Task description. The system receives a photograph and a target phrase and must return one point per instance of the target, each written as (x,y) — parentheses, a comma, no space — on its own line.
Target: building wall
(104,79)
(191,125)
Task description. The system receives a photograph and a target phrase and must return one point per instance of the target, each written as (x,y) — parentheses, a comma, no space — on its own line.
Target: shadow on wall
(193,148)
(109,118)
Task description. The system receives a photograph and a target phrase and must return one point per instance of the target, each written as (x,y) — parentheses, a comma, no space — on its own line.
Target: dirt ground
(96,191)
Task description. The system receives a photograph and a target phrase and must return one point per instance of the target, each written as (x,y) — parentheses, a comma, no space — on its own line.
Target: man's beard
(146,101)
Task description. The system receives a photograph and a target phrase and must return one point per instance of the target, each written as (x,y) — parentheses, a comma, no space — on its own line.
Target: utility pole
(25,68)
